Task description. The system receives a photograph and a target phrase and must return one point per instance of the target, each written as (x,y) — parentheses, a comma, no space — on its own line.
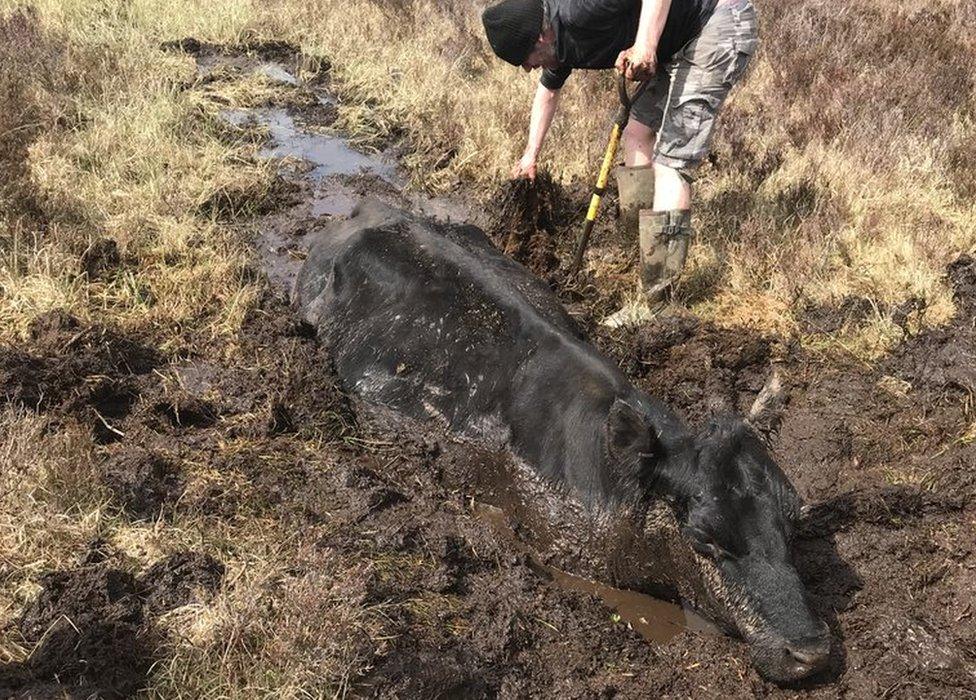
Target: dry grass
(123,153)
(294,632)
(102,135)
(291,619)
(843,166)
(50,506)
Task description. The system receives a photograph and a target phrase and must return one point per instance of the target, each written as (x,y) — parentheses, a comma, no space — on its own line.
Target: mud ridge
(528,217)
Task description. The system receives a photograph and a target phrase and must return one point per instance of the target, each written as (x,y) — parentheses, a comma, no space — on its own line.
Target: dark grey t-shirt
(592,33)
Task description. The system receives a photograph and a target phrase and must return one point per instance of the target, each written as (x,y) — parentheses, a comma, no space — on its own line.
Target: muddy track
(884,455)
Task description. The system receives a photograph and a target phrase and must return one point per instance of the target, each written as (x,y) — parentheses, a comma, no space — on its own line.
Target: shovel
(619,124)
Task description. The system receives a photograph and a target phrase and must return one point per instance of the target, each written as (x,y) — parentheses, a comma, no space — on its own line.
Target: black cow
(431,321)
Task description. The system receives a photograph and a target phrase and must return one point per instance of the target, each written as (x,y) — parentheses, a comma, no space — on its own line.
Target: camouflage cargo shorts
(684,98)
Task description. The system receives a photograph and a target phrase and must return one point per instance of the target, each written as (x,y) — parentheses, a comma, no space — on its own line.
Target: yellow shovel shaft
(601,182)
(598,192)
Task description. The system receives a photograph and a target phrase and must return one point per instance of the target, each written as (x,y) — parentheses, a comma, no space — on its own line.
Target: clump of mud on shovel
(525,223)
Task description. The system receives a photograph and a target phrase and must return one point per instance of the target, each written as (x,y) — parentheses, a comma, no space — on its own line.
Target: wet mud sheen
(523,209)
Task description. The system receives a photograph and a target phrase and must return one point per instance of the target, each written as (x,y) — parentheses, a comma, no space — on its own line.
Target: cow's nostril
(812,656)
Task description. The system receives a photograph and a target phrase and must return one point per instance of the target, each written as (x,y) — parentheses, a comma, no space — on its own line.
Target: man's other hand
(637,63)
(525,168)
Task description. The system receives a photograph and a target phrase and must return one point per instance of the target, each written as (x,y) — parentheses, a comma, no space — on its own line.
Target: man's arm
(543,110)
(639,62)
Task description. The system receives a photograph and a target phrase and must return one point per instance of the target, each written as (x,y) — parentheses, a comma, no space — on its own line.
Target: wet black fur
(431,319)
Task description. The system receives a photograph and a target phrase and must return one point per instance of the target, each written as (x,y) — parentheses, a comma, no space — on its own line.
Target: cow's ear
(628,432)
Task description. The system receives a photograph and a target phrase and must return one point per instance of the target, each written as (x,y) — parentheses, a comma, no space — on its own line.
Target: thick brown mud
(526,219)
(883,455)
(887,550)
(658,621)
(92,629)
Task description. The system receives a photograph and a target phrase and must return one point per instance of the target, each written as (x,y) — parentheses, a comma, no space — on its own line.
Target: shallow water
(658,621)
(329,164)
(326,153)
(327,157)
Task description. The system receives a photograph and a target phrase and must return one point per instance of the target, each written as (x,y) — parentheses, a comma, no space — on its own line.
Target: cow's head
(739,516)
(737,510)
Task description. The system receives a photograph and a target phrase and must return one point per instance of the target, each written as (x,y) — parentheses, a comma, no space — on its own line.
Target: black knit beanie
(513,26)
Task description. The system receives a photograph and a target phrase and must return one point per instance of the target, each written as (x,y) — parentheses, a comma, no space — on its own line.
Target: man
(690,53)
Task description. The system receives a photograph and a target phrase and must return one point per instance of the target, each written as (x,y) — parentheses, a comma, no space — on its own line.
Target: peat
(884,456)
(92,629)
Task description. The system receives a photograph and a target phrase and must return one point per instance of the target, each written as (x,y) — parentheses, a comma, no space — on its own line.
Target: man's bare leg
(638,144)
(635,179)
(671,191)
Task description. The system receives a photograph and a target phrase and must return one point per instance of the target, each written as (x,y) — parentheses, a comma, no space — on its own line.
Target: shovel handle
(619,124)
(597,197)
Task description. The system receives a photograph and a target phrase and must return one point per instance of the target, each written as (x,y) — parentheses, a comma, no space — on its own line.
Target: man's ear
(628,433)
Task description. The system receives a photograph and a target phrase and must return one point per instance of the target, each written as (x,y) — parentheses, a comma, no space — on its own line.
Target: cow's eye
(704,544)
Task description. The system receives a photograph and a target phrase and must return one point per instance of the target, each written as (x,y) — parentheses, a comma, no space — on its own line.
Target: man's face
(543,54)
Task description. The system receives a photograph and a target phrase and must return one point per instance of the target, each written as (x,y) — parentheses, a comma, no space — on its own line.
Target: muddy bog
(423,468)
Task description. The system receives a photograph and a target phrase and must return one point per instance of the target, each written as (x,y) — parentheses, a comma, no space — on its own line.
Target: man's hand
(525,168)
(638,63)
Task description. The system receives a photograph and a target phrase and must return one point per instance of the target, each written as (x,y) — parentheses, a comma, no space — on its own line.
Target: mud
(181,579)
(324,155)
(329,175)
(144,484)
(92,629)
(883,455)
(527,218)
(89,372)
(887,549)
(101,258)
(656,620)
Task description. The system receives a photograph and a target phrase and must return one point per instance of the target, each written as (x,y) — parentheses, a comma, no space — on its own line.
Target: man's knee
(638,135)
(674,171)
(638,141)
(672,188)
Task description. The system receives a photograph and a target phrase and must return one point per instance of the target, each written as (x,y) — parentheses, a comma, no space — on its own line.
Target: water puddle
(277,74)
(327,154)
(281,257)
(335,174)
(658,621)
(335,201)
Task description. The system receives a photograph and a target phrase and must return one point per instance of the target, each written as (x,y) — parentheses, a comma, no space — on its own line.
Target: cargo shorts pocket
(736,67)
(687,129)
(745,43)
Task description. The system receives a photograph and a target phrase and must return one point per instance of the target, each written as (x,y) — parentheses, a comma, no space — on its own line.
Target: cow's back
(428,319)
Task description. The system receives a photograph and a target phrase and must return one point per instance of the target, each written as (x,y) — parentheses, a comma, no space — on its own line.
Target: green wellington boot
(635,185)
(664,240)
